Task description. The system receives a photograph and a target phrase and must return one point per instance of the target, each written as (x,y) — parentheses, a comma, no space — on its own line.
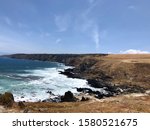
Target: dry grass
(119,104)
(124,103)
(125,69)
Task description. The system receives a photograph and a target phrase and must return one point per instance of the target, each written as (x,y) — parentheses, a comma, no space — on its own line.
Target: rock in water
(7,99)
(68,97)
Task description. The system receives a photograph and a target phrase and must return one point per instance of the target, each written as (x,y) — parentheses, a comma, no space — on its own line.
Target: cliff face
(111,70)
(68,59)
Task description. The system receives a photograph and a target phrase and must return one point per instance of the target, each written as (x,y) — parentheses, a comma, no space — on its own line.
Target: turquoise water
(30,80)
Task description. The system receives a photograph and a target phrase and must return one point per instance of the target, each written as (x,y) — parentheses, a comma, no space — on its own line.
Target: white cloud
(58,40)
(132,51)
(89,26)
(62,22)
(92,5)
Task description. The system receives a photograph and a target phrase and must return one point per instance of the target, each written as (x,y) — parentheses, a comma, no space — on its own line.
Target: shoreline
(98,71)
(82,63)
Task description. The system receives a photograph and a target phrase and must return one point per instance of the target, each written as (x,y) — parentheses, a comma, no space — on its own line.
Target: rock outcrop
(7,99)
(68,97)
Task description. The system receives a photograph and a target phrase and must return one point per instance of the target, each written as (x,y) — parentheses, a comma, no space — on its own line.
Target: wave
(33,84)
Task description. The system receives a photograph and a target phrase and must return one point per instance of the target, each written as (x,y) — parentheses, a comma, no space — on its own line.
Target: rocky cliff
(125,71)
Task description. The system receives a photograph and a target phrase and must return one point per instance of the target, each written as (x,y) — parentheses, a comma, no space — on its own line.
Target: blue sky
(74,26)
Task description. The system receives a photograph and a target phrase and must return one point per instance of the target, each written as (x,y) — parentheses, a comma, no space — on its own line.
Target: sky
(74,26)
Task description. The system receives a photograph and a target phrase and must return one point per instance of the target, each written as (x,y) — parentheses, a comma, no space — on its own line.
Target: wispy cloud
(62,22)
(91,1)
(92,5)
(96,38)
(91,29)
(133,51)
(22,25)
(58,40)
(44,34)
(89,25)
(86,24)
(8,21)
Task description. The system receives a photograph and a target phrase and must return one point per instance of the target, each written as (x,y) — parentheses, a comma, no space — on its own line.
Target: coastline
(129,69)
(95,69)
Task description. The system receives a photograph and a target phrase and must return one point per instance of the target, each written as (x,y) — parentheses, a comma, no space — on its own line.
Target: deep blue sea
(30,80)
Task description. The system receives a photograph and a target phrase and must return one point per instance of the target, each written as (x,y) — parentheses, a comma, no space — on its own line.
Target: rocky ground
(121,103)
(125,77)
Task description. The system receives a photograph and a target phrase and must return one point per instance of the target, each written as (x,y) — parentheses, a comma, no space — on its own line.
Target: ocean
(30,80)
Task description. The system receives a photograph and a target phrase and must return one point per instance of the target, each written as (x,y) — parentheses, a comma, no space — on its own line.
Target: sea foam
(50,80)
(32,80)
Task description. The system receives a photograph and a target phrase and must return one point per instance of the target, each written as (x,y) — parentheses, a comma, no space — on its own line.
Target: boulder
(68,97)
(21,105)
(97,83)
(7,99)
(70,73)
(54,99)
(85,99)
(85,90)
(99,96)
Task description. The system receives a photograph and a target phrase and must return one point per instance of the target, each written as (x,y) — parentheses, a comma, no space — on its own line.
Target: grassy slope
(123,69)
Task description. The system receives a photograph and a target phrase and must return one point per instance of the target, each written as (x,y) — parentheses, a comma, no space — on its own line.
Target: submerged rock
(7,99)
(68,97)
(50,93)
